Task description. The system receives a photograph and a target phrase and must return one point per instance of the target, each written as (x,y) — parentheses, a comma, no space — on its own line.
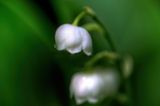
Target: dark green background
(34,73)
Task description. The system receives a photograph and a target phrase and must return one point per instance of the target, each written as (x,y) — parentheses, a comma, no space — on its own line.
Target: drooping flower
(94,87)
(73,39)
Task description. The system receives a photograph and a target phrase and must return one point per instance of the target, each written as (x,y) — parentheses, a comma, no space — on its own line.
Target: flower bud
(73,39)
(94,87)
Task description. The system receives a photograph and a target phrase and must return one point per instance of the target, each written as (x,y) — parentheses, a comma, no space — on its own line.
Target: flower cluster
(98,83)
(92,87)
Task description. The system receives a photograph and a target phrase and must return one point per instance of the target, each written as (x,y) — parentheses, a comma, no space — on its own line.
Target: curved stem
(78,18)
(90,12)
(107,36)
(108,55)
(93,27)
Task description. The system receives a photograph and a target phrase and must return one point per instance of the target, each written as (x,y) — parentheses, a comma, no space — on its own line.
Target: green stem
(107,36)
(93,27)
(78,18)
(90,12)
(108,55)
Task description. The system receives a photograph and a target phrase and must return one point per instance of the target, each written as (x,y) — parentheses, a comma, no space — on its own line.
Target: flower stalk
(110,56)
(78,18)
(97,83)
(90,12)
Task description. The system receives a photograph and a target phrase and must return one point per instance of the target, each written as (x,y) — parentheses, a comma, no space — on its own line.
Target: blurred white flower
(94,87)
(73,39)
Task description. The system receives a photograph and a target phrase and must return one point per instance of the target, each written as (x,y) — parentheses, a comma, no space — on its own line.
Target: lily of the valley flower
(73,39)
(94,87)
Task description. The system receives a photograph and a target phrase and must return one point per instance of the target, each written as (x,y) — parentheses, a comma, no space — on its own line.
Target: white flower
(73,39)
(94,87)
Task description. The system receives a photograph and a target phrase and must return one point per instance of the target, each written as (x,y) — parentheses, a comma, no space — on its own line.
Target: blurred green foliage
(29,61)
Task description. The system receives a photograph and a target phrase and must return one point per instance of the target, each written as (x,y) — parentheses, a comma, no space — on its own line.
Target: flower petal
(79,100)
(93,100)
(60,36)
(86,41)
(74,50)
(75,89)
(73,40)
(111,78)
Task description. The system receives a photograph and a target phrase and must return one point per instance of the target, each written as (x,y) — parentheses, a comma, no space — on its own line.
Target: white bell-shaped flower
(73,39)
(94,87)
